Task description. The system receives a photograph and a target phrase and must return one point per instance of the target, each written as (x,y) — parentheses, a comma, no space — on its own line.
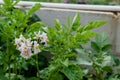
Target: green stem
(37,64)
(9,71)
(8,54)
(15,69)
(20,69)
(99,74)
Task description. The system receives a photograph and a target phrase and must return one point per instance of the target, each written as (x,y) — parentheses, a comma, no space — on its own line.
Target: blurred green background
(101,2)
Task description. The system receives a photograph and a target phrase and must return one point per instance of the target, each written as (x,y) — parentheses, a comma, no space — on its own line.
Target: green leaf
(114,78)
(33,78)
(102,40)
(34,9)
(82,61)
(56,76)
(93,25)
(107,61)
(66,62)
(95,46)
(51,32)
(15,2)
(57,24)
(76,22)
(25,65)
(86,35)
(82,57)
(35,26)
(7,2)
(107,68)
(2,12)
(69,22)
(21,77)
(73,72)
(1,72)
(81,51)
(3,78)
(107,47)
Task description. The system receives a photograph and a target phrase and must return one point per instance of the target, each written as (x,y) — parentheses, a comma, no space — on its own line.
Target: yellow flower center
(37,47)
(15,44)
(47,40)
(25,48)
(26,53)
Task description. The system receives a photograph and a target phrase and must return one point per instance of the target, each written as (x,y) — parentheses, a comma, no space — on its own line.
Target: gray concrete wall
(48,15)
(117,35)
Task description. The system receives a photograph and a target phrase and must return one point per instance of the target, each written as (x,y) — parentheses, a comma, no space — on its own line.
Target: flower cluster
(42,38)
(29,47)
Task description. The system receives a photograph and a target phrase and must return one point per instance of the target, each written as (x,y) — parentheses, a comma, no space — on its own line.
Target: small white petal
(36,47)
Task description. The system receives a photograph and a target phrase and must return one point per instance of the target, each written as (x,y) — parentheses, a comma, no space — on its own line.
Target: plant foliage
(23,45)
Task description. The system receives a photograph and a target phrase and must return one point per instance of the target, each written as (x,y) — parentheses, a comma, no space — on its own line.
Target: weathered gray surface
(117,39)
